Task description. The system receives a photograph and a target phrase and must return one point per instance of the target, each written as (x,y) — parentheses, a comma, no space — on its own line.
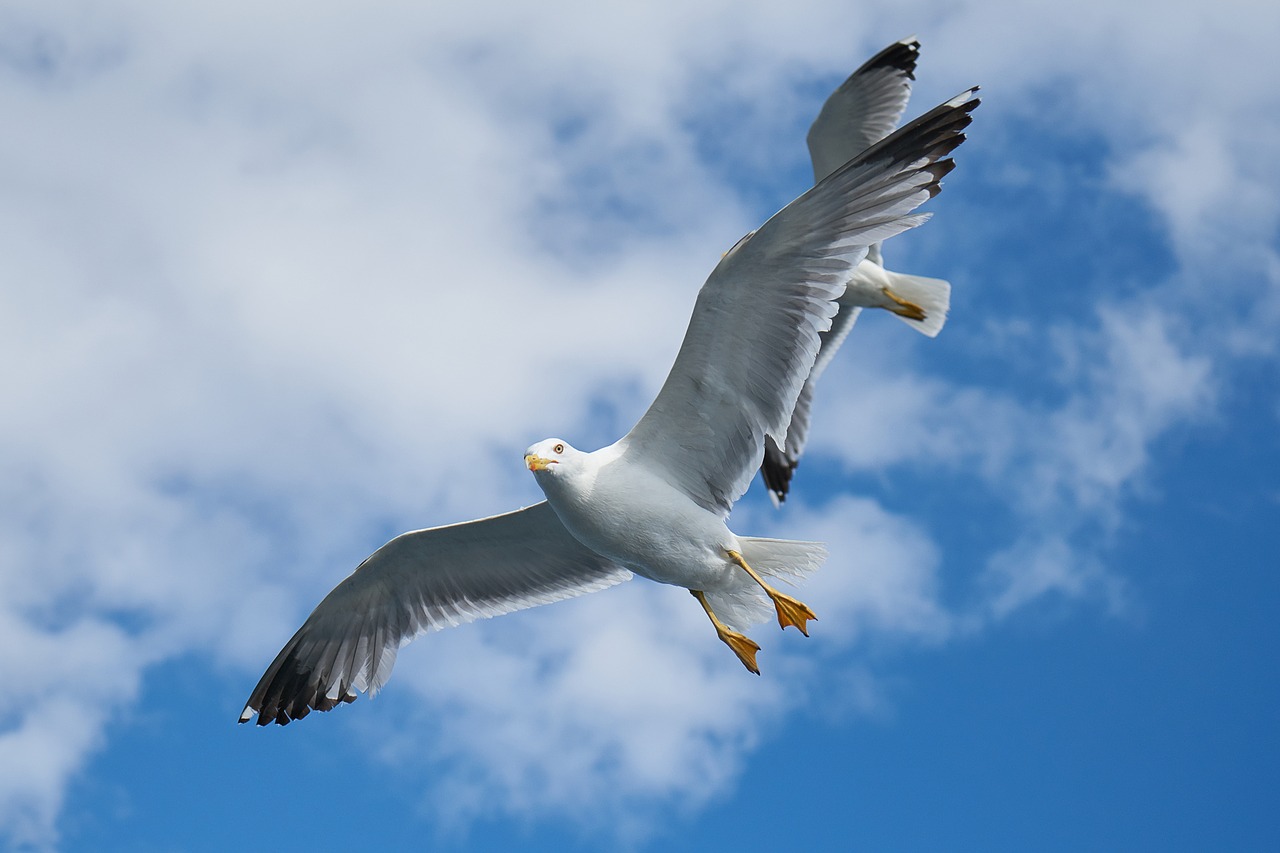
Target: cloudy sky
(278,281)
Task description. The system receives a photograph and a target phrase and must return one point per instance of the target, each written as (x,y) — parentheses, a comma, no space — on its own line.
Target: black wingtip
(283,699)
(777,471)
(932,136)
(291,689)
(899,56)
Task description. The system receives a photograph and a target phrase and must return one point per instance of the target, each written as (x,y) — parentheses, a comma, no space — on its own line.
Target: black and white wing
(423,581)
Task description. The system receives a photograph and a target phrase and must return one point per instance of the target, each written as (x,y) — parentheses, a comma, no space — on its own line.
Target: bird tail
(784,560)
(931,294)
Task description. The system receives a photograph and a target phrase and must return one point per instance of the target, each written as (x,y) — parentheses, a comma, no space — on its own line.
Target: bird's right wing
(753,337)
(865,109)
(418,582)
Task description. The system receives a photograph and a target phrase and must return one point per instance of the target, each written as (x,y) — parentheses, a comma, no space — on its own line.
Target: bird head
(547,455)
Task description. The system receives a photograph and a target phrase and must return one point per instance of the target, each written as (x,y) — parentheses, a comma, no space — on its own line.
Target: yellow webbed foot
(903,307)
(791,611)
(743,646)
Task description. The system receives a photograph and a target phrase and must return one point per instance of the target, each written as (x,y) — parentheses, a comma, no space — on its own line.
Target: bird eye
(559,448)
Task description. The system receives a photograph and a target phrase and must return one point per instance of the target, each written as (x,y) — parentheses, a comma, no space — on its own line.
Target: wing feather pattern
(864,109)
(423,581)
(754,334)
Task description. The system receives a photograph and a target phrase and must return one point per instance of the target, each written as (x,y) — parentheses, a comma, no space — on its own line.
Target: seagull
(657,501)
(862,111)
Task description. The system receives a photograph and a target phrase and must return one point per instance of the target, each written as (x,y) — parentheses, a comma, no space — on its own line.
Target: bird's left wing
(754,333)
(423,581)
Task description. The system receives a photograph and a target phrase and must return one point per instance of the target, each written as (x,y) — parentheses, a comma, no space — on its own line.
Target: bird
(864,109)
(656,502)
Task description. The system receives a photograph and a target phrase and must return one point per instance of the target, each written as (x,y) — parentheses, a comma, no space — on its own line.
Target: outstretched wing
(423,581)
(754,334)
(864,109)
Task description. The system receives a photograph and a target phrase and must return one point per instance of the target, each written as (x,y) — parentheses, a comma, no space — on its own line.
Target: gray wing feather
(754,334)
(864,109)
(423,581)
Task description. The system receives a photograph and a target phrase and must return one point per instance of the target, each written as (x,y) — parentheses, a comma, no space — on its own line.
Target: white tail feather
(931,294)
(786,560)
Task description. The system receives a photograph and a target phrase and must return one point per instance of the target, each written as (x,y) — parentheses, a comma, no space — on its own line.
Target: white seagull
(655,502)
(862,111)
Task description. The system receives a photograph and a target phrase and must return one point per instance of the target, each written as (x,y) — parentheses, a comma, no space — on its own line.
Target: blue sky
(275,287)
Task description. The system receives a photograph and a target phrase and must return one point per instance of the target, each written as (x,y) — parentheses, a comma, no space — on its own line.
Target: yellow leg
(903,307)
(790,611)
(743,646)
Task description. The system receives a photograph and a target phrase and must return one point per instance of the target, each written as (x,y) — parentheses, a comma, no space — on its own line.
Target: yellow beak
(535,462)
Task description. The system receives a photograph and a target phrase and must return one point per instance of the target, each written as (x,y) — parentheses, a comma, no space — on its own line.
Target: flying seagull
(656,502)
(862,111)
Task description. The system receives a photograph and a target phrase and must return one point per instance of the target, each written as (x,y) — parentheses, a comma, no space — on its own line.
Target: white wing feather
(423,581)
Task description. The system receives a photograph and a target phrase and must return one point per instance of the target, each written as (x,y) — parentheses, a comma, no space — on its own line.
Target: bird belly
(653,530)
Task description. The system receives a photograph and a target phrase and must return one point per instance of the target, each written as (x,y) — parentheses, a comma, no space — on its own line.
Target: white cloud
(68,682)
(627,703)
(1032,570)
(881,579)
(262,306)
